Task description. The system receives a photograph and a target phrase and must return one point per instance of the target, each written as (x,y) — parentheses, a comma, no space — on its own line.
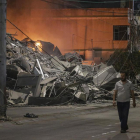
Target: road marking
(112,131)
(117,123)
(107,128)
(104,134)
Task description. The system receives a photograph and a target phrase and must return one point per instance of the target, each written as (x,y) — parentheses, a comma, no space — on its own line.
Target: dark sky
(76,3)
(96,3)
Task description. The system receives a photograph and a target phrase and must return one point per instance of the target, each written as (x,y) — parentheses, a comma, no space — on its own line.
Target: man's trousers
(123,111)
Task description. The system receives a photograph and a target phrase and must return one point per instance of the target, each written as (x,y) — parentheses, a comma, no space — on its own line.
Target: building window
(120,33)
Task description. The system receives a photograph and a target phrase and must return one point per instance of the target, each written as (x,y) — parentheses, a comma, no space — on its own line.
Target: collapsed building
(50,78)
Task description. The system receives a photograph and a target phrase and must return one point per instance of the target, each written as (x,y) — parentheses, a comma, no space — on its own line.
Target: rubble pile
(38,78)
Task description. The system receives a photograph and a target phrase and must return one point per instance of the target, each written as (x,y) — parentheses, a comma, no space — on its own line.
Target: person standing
(123,91)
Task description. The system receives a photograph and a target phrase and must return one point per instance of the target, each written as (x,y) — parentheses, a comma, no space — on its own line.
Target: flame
(39,46)
(33,49)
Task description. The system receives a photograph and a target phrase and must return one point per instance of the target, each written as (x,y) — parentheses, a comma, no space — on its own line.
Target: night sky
(96,3)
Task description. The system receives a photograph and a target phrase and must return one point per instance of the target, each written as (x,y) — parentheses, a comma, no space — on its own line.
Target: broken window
(120,32)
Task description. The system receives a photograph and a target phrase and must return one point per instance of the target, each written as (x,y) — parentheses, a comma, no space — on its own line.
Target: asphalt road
(101,125)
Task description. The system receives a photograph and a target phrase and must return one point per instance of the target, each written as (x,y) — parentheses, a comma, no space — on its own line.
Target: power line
(79,23)
(104,11)
(34,43)
(97,10)
(92,29)
(52,2)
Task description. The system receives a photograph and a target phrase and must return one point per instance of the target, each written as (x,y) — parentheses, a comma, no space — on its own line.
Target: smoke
(36,19)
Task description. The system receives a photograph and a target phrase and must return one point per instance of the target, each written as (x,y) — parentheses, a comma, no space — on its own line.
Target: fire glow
(39,46)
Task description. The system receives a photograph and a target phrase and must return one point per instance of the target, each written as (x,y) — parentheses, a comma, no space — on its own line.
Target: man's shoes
(123,131)
(127,128)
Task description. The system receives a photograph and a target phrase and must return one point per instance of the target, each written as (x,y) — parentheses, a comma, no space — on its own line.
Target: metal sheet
(47,80)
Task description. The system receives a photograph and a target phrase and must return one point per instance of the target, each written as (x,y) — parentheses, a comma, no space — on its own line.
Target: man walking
(123,90)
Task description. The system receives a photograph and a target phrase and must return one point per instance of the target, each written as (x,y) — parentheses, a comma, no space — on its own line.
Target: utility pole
(134,24)
(131,22)
(3,5)
(132,28)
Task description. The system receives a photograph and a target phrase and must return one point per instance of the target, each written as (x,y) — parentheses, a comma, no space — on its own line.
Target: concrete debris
(15,97)
(38,78)
(25,79)
(50,49)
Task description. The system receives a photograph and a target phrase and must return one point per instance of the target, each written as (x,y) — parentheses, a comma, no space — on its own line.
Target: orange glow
(38,44)
(33,49)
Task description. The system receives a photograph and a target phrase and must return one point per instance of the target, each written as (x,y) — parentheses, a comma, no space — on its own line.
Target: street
(96,124)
